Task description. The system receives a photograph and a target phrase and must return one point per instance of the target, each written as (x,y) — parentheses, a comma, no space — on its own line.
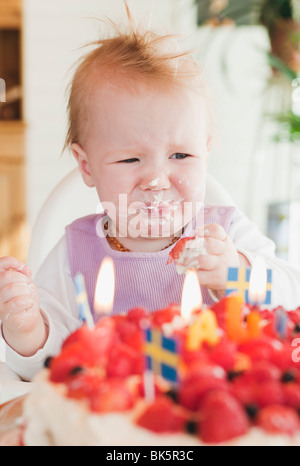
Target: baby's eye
(129,160)
(179,156)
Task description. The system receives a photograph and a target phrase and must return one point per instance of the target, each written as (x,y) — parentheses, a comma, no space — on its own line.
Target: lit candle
(204,329)
(258,282)
(105,288)
(191,299)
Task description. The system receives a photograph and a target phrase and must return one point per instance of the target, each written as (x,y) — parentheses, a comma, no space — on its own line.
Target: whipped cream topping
(52,419)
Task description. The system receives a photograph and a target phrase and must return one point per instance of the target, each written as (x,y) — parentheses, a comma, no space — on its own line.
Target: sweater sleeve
(59,310)
(251,242)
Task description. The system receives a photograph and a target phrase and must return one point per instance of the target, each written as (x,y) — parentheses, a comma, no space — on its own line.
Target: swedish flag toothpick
(161,354)
(238,282)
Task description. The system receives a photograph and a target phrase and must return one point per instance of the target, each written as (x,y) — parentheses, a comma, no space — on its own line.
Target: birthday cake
(224,382)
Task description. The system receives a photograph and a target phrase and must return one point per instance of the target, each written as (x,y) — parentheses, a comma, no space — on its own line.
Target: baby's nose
(156,182)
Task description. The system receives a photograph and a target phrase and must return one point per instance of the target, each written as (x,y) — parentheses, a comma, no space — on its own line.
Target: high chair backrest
(72,199)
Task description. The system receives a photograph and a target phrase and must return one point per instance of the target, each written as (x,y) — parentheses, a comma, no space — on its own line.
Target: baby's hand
(19,299)
(220,254)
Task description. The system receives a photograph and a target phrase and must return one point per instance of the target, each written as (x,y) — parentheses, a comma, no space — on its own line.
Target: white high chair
(69,200)
(72,199)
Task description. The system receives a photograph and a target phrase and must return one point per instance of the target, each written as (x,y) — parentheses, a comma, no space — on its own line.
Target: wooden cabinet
(13,238)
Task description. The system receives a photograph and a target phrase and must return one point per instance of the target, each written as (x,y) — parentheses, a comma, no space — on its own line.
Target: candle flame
(258,282)
(191,295)
(105,287)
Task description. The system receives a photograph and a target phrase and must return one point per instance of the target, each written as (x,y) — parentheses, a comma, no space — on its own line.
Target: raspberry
(222,418)
(278,419)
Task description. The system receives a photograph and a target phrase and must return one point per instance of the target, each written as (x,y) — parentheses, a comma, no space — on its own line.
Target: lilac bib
(142,279)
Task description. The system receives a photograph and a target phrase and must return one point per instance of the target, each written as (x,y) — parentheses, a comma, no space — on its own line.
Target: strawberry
(162,416)
(222,418)
(74,355)
(113,395)
(177,250)
(269,393)
(104,395)
(124,361)
(136,315)
(131,335)
(224,354)
(291,394)
(198,384)
(219,309)
(263,371)
(98,341)
(278,419)
(259,349)
(164,316)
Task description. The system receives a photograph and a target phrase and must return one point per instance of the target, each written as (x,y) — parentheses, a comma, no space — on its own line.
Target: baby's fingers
(214,246)
(213,230)
(13,290)
(11,263)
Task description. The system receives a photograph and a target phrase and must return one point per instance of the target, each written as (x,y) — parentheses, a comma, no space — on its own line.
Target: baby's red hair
(132,55)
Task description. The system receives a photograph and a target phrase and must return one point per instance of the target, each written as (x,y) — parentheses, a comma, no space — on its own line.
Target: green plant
(281,18)
(247,12)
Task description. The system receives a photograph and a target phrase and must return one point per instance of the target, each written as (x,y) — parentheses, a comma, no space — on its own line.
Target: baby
(140,129)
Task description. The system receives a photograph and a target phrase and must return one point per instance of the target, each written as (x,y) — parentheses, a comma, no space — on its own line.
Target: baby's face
(146,153)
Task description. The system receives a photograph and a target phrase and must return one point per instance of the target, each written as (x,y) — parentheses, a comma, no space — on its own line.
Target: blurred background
(250,51)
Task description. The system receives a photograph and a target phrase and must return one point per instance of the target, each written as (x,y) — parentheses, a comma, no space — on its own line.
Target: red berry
(278,419)
(124,361)
(262,371)
(291,394)
(260,349)
(103,395)
(113,395)
(224,354)
(74,355)
(162,416)
(177,249)
(131,335)
(222,418)
(164,316)
(269,393)
(136,315)
(198,384)
(98,341)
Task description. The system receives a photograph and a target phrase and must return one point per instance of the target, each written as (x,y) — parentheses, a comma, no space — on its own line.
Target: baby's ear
(83,164)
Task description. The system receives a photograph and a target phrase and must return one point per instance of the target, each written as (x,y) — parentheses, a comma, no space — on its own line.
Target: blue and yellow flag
(238,282)
(161,354)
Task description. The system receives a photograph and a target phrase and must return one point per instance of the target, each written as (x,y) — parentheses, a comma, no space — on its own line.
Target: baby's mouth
(155,209)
